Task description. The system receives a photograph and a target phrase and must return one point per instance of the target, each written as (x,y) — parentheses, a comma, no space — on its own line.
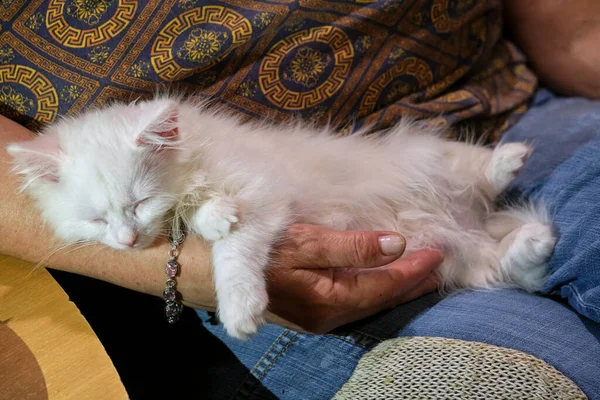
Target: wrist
(195,281)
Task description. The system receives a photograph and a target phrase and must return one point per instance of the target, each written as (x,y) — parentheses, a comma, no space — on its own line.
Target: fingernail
(392,245)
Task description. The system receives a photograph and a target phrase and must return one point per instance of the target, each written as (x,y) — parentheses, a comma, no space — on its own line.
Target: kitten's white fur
(116,173)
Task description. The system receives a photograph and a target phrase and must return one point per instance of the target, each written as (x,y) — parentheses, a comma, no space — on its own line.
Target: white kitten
(114,175)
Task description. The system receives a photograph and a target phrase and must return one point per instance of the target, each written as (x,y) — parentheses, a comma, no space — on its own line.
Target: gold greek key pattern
(99,60)
(38,84)
(9,9)
(441,18)
(270,69)
(70,36)
(162,57)
(330,61)
(412,66)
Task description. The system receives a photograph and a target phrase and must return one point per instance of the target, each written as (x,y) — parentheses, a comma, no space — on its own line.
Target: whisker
(69,247)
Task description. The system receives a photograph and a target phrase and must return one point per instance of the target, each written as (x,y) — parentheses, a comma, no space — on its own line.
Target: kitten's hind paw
(526,258)
(215,219)
(536,243)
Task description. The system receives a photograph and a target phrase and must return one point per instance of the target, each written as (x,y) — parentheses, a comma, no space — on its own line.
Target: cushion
(441,368)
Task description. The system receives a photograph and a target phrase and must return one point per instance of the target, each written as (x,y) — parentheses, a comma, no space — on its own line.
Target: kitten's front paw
(507,160)
(215,219)
(241,316)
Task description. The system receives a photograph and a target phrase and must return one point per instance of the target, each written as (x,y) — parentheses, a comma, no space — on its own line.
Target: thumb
(401,281)
(312,246)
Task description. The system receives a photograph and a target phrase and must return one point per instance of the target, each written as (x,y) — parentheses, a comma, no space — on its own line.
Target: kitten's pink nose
(128,238)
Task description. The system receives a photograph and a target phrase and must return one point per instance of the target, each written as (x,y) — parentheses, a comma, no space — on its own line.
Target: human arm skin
(308,283)
(561,39)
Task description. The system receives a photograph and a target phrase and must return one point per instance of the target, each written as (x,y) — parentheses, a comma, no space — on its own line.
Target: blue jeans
(561,328)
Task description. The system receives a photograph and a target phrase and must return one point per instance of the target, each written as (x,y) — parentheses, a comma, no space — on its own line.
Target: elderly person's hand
(322,278)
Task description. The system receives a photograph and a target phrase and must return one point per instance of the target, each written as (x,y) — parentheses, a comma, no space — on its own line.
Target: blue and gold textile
(362,61)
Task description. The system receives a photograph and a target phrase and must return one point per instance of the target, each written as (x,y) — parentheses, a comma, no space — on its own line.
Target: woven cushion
(439,368)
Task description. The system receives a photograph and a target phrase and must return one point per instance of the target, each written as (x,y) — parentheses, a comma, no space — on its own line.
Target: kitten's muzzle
(128,238)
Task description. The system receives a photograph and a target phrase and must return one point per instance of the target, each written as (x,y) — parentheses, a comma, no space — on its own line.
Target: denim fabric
(301,366)
(564,172)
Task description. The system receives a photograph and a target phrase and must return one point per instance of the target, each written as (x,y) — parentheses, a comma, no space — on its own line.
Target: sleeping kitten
(114,175)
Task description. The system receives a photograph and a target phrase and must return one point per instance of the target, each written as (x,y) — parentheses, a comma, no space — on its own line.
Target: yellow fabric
(47,349)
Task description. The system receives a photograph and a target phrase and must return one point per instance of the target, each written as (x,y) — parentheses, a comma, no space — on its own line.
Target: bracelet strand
(173,306)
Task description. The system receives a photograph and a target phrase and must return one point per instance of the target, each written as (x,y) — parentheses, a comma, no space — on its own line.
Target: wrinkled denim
(564,172)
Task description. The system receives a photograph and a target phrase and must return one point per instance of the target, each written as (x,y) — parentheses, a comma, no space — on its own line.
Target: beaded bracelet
(173,307)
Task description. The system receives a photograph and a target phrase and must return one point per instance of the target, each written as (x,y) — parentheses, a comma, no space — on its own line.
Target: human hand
(322,278)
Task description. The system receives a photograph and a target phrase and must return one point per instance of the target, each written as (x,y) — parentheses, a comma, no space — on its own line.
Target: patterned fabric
(363,61)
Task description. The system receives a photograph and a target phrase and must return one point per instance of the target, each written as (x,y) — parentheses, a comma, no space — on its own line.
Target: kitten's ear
(159,124)
(37,159)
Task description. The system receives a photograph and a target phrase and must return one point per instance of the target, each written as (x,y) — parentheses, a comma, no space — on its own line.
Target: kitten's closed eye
(100,221)
(139,203)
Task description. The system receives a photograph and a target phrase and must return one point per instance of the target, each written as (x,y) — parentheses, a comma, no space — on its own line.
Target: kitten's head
(109,175)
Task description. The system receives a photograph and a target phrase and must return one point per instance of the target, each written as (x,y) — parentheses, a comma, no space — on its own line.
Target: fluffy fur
(115,175)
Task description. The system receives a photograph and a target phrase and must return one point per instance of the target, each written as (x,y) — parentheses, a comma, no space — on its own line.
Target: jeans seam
(369,336)
(276,357)
(360,339)
(581,301)
(265,363)
(269,350)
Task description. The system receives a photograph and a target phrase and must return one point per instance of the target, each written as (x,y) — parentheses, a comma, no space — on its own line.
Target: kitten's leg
(214,219)
(489,170)
(518,259)
(524,249)
(527,249)
(499,224)
(527,239)
(240,260)
(507,160)
(521,240)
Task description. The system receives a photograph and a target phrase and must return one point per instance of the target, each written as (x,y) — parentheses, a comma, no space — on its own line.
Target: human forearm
(561,39)
(24,236)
